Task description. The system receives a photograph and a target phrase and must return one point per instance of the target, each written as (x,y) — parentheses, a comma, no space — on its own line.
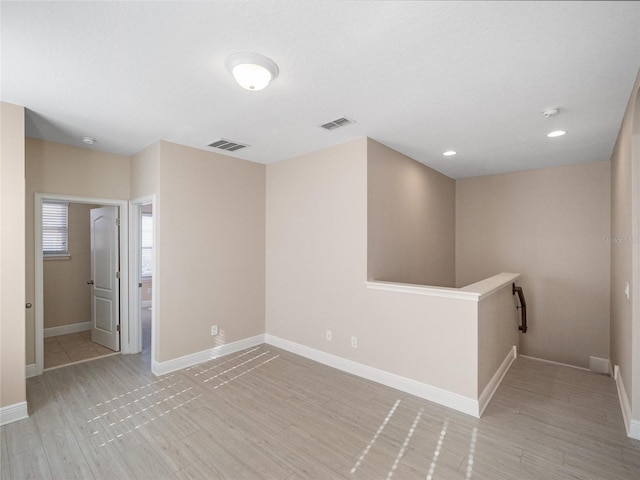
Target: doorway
(117,302)
(144,279)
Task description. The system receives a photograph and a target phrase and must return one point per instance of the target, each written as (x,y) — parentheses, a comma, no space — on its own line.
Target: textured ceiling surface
(420,77)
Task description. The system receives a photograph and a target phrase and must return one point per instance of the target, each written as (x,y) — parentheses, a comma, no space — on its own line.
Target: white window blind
(55,228)
(147,245)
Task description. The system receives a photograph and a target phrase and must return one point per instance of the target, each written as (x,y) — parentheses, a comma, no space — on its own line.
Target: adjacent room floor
(77,347)
(266,413)
(70,348)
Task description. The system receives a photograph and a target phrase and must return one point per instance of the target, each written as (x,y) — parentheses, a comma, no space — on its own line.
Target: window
(147,245)
(55,228)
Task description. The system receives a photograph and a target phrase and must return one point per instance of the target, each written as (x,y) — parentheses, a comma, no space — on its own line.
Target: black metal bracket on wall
(523,306)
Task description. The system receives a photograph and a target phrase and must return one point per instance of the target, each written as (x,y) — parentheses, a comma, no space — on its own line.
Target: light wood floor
(266,413)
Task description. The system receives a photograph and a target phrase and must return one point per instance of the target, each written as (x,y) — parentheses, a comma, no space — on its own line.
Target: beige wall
(411,220)
(625,323)
(316,272)
(317,248)
(551,226)
(145,172)
(145,181)
(212,250)
(12,256)
(147,284)
(497,333)
(67,297)
(63,169)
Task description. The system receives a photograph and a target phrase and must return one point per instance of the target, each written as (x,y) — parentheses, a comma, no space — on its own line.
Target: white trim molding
(599,365)
(475,292)
(494,383)
(437,395)
(443,292)
(31,370)
(66,329)
(13,413)
(632,426)
(162,368)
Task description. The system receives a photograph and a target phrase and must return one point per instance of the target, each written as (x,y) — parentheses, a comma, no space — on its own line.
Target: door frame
(135,332)
(125,327)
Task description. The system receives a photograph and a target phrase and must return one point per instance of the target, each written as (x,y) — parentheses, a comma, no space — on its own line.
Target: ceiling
(420,77)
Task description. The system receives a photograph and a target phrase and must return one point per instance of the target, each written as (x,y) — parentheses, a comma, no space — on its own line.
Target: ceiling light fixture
(251,70)
(88,140)
(556,133)
(449,153)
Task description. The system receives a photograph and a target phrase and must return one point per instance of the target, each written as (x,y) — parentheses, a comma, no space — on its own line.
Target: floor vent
(227,145)
(337,123)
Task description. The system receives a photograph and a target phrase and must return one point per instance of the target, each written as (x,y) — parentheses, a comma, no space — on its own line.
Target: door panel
(105,301)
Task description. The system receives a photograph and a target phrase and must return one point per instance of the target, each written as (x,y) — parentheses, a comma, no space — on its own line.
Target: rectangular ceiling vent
(227,145)
(337,123)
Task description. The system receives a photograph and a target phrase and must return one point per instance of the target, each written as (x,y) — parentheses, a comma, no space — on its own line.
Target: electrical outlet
(149,290)
(329,335)
(354,342)
(214,330)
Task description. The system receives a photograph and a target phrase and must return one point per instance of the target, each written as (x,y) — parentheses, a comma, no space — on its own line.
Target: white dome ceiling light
(556,133)
(251,70)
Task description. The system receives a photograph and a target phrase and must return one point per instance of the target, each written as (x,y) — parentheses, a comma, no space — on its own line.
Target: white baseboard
(162,368)
(31,370)
(599,365)
(13,413)
(494,383)
(632,426)
(437,395)
(66,329)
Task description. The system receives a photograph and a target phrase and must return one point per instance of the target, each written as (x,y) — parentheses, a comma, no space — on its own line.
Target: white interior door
(105,284)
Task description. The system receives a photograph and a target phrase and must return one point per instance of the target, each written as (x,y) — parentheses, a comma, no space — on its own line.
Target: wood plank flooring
(267,414)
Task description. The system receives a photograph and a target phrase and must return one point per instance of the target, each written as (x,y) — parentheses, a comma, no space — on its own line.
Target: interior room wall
(411,220)
(145,172)
(68,170)
(67,297)
(212,250)
(147,285)
(552,226)
(12,256)
(316,271)
(625,323)
(316,247)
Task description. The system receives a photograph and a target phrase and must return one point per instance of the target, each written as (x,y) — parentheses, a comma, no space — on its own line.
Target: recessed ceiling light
(556,133)
(251,70)
(449,153)
(88,140)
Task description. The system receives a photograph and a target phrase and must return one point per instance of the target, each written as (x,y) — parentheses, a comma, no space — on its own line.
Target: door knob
(90,282)
(28,305)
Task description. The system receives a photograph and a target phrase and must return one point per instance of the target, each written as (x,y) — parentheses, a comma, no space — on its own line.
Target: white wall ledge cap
(474,292)
(491,285)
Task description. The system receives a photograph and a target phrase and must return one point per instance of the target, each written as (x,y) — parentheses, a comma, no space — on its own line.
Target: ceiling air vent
(227,145)
(337,123)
